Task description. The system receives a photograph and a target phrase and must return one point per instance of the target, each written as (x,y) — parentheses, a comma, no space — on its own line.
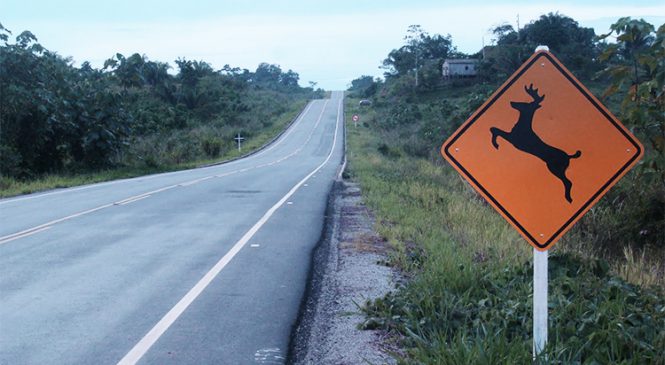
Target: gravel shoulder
(347,270)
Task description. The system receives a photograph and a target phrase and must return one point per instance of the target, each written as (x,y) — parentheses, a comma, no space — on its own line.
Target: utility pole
(416,67)
(415,34)
(239,139)
(483,41)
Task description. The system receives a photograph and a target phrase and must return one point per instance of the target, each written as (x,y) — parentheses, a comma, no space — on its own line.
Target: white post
(539,301)
(539,291)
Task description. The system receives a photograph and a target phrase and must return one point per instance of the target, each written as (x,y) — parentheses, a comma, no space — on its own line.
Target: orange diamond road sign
(542,150)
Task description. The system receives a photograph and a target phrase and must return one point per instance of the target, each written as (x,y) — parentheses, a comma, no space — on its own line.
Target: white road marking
(127,201)
(23,234)
(188,183)
(289,131)
(254,245)
(11,237)
(67,190)
(142,347)
(17,235)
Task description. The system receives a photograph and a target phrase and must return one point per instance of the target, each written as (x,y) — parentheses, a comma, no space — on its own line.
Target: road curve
(203,266)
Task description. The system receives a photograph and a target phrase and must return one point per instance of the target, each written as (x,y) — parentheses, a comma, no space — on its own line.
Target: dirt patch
(347,271)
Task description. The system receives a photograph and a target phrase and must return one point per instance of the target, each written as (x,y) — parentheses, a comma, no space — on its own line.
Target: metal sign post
(539,301)
(355,120)
(239,139)
(540,283)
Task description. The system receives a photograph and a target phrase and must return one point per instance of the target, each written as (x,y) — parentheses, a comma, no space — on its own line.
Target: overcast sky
(330,42)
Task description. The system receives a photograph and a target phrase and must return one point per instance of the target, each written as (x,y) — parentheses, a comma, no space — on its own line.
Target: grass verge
(468,300)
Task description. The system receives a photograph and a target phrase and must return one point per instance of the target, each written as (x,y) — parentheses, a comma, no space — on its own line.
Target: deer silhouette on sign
(525,139)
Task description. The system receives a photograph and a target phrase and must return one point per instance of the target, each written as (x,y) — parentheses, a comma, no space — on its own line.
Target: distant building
(459,68)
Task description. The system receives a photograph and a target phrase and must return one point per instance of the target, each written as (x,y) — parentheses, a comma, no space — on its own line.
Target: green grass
(12,187)
(468,297)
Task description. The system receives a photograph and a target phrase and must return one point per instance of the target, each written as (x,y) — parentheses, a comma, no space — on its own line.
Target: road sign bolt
(456,149)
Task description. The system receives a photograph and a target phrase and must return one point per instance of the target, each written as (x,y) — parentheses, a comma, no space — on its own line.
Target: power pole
(483,41)
(416,67)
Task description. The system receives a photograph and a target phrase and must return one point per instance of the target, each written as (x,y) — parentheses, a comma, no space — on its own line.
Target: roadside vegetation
(468,299)
(62,125)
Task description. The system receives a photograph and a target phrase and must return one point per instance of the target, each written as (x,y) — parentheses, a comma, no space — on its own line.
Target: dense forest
(57,118)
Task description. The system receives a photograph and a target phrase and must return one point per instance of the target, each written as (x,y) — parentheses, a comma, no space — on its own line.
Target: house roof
(461,61)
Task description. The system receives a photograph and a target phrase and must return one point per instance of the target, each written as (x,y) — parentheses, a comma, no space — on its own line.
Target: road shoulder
(347,270)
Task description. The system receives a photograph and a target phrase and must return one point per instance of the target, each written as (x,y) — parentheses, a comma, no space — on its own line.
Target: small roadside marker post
(583,148)
(239,139)
(355,120)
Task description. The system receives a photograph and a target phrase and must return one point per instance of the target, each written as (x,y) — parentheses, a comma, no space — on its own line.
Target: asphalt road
(204,266)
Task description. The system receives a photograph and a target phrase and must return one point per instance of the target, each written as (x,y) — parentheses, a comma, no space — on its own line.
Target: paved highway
(204,266)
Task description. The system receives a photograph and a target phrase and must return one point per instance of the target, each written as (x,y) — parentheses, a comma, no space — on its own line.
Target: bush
(212,146)
(10,161)
(595,318)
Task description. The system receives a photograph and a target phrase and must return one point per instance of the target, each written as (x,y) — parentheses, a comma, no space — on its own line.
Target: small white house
(459,68)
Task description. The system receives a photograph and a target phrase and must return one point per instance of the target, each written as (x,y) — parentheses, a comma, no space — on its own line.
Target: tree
(364,86)
(414,39)
(267,74)
(398,62)
(289,79)
(575,46)
(54,115)
(156,74)
(129,71)
(422,51)
(636,66)
(636,63)
(190,74)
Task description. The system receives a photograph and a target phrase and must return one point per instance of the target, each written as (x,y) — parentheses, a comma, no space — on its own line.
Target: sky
(328,42)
